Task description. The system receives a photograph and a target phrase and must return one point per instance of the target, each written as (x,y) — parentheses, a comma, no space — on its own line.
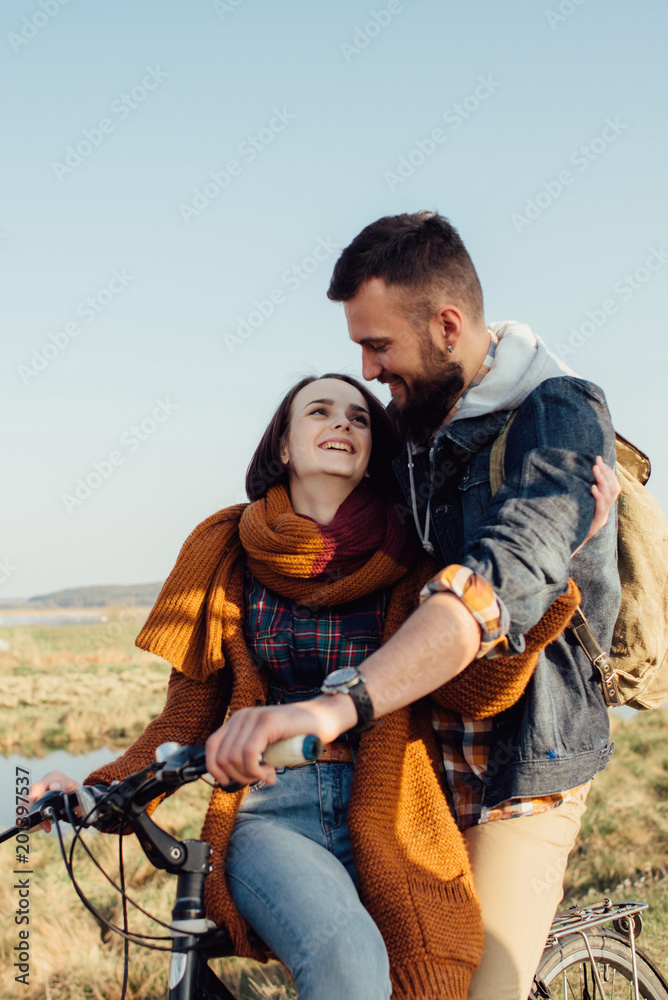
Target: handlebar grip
(53,800)
(295,750)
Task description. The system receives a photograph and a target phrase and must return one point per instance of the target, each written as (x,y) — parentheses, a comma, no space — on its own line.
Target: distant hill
(98,597)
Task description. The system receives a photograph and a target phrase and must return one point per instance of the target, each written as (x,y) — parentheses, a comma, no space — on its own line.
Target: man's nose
(370,367)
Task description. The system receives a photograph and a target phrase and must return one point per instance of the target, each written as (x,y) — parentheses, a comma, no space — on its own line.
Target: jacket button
(465,477)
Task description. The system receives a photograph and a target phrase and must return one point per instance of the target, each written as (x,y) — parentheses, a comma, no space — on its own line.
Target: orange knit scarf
(200,608)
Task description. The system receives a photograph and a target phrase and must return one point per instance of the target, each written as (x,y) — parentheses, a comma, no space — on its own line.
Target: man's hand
(52,781)
(233,751)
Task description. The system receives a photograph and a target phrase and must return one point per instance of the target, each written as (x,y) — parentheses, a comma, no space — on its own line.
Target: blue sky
(154,314)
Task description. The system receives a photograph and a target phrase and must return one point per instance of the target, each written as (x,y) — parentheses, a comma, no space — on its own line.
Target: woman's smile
(338,444)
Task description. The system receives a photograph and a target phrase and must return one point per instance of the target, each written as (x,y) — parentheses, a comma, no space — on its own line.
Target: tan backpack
(636,672)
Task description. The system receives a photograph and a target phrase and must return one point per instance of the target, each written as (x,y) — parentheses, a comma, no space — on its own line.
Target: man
(517,783)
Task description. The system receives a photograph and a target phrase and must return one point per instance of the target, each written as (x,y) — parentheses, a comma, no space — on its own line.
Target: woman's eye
(362,420)
(320,409)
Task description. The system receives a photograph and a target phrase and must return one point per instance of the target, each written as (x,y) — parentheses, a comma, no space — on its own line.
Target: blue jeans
(290,872)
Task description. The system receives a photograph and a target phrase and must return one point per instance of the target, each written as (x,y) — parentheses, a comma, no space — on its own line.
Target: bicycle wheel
(565,971)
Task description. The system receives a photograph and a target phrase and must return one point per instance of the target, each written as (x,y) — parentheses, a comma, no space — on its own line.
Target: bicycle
(575,963)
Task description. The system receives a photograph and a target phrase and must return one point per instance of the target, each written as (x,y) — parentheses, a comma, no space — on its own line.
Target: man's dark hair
(420,251)
(266,468)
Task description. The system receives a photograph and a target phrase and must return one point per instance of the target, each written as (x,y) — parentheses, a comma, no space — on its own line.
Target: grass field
(87,686)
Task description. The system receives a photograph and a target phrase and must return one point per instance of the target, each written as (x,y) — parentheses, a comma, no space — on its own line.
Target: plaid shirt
(301,644)
(466,745)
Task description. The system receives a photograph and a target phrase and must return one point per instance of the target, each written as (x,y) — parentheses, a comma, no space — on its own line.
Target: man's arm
(438,640)
(543,511)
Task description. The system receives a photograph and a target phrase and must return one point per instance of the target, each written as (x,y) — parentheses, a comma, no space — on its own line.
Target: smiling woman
(319,400)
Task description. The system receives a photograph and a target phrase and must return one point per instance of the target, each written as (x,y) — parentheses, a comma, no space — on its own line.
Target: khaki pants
(518,871)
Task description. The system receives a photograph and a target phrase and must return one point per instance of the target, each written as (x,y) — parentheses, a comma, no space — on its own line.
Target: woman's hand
(52,781)
(605,491)
(233,751)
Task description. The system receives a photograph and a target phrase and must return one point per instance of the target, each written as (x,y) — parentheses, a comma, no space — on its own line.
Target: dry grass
(624,832)
(622,850)
(78,684)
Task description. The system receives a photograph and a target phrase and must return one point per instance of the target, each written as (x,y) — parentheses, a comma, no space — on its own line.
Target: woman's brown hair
(266,468)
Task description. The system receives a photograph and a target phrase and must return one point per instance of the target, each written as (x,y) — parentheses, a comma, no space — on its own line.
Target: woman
(359,889)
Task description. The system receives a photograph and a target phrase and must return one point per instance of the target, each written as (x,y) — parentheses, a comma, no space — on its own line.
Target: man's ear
(451,322)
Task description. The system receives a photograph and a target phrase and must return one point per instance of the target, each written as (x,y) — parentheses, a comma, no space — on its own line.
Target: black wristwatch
(350,681)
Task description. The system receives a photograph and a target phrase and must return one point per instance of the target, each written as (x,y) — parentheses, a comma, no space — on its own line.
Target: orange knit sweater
(411,860)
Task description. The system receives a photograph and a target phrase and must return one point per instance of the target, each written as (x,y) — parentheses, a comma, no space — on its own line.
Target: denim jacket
(556,736)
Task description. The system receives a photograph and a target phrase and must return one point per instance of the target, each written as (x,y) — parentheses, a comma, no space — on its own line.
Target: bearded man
(517,782)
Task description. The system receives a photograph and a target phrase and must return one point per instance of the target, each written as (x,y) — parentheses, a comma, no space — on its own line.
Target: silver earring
(451,349)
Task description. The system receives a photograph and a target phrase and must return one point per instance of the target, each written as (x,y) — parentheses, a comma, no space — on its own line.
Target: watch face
(341,678)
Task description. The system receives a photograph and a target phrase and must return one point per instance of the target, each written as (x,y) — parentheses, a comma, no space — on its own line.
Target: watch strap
(363,706)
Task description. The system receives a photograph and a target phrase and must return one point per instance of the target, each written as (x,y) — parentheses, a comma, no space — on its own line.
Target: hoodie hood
(521,362)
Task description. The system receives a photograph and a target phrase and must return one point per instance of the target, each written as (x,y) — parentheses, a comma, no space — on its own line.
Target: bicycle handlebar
(174,767)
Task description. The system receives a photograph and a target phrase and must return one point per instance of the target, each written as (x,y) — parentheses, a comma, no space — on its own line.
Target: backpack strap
(597,656)
(497,456)
(578,624)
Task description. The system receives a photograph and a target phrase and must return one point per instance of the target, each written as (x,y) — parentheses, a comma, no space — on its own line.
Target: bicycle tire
(565,970)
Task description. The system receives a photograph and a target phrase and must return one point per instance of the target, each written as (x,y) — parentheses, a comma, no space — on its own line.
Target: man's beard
(430,398)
